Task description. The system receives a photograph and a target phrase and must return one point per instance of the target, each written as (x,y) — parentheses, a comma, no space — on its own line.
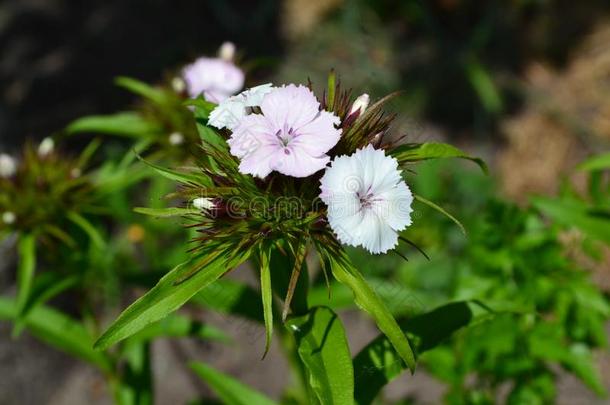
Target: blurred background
(523,83)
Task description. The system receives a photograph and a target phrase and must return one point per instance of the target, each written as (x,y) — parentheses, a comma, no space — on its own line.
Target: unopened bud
(8,166)
(203,203)
(178,85)
(46,147)
(176,138)
(9,218)
(227,51)
(360,104)
(75,173)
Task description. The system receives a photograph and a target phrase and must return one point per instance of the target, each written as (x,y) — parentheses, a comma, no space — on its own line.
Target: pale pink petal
(319,135)
(296,162)
(290,106)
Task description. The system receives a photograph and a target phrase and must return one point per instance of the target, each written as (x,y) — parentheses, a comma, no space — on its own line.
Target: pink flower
(291,136)
(216,78)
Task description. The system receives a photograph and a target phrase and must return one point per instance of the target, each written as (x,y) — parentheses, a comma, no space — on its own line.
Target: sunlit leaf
(323,349)
(166,212)
(25,272)
(172,291)
(599,162)
(367,299)
(128,124)
(425,151)
(267,295)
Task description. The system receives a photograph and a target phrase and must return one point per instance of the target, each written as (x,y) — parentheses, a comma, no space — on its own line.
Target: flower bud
(9,218)
(178,84)
(8,166)
(360,104)
(227,51)
(176,138)
(46,147)
(203,203)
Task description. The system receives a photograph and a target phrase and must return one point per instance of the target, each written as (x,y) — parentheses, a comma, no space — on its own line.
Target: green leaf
(180,177)
(323,349)
(369,301)
(425,151)
(441,210)
(157,96)
(572,213)
(203,108)
(166,212)
(128,124)
(378,363)
(44,287)
(25,272)
(172,291)
(599,162)
(267,295)
(60,331)
(230,391)
(91,231)
(135,386)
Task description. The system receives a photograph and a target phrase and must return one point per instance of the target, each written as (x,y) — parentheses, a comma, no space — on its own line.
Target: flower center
(285,135)
(367,199)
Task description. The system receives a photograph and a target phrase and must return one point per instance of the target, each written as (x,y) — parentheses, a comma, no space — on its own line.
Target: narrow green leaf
(595,163)
(369,301)
(166,212)
(441,210)
(180,177)
(267,295)
(172,291)
(91,231)
(414,152)
(230,391)
(25,271)
(323,349)
(143,89)
(128,124)
(59,331)
(136,384)
(378,363)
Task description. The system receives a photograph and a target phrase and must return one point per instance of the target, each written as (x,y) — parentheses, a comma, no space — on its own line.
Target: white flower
(46,147)
(9,218)
(8,166)
(368,202)
(203,203)
(227,51)
(176,138)
(215,78)
(360,104)
(230,112)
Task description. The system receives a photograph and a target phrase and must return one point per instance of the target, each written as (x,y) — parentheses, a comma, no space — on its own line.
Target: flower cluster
(287,130)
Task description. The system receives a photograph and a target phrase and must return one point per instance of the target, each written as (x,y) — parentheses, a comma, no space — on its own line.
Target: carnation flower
(216,78)
(231,111)
(368,202)
(291,136)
